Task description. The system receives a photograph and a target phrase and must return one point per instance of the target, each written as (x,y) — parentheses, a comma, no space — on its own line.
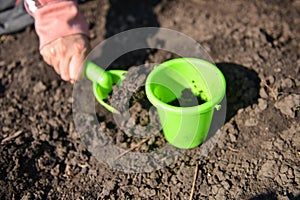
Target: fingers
(64,68)
(46,55)
(55,64)
(64,58)
(49,56)
(76,66)
(77,61)
(67,55)
(53,60)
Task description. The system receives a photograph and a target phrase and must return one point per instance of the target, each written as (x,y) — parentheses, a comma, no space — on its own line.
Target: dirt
(187,99)
(256,44)
(137,120)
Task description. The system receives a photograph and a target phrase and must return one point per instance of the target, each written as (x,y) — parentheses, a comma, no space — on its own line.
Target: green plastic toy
(185,127)
(103,82)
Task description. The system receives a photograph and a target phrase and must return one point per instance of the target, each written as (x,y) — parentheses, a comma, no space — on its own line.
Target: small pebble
(39,87)
(277,70)
(232,138)
(5,129)
(263,93)
(287,83)
(251,122)
(278,143)
(271,79)
(11,66)
(267,170)
(215,189)
(262,104)
(226,185)
(288,105)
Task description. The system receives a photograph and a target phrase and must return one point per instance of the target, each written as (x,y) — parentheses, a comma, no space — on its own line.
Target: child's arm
(63,34)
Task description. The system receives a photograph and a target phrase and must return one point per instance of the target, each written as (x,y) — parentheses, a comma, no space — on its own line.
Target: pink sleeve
(55,19)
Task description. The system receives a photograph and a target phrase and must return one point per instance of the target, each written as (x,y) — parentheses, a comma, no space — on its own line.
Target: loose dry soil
(256,44)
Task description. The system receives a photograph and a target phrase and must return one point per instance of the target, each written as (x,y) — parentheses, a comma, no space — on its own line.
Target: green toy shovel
(103,82)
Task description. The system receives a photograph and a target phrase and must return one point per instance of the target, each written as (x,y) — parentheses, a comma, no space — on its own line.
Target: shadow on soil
(272,196)
(126,15)
(266,196)
(242,87)
(242,90)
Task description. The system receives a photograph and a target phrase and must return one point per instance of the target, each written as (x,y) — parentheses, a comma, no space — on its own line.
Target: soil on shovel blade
(255,155)
(137,117)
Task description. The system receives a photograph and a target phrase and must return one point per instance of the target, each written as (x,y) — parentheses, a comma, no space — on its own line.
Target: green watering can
(103,82)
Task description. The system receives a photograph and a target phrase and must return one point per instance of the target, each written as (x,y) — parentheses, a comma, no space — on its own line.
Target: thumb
(76,66)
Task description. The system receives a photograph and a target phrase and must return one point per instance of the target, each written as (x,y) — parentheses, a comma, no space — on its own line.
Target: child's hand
(66,55)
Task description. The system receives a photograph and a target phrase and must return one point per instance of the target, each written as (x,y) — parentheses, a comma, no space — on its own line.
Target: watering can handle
(96,74)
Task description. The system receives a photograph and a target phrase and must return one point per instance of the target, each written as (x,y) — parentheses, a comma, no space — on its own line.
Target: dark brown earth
(187,99)
(256,44)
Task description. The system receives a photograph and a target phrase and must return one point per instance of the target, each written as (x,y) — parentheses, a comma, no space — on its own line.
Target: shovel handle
(93,72)
(98,75)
